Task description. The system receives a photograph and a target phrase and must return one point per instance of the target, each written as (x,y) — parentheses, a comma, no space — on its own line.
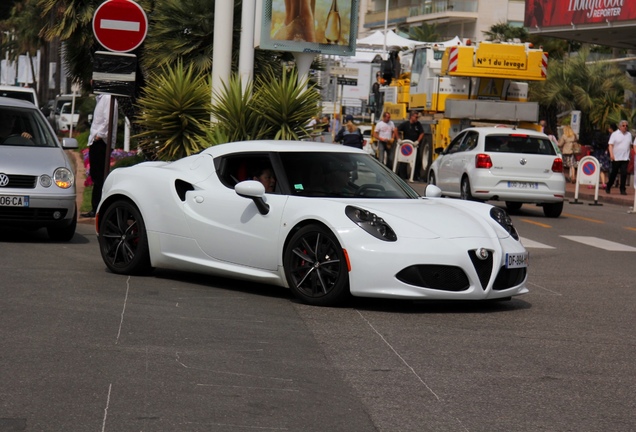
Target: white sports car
(324,220)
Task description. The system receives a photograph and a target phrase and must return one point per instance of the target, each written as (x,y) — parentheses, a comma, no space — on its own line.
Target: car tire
(316,267)
(123,240)
(513,206)
(65,233)
(465,192)
(426,156)
(553,210)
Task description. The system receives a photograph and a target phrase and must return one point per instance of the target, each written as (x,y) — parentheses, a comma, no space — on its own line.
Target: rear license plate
(517,260)
(523,185)
(14,201)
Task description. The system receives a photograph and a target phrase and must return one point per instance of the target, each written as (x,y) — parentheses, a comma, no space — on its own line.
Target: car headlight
(371,223)
(63,178)
(504,220)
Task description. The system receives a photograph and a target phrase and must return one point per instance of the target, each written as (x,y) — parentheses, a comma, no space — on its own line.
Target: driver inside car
(9,126)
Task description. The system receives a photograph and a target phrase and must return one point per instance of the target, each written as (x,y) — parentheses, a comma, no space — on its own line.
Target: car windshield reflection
(342,175)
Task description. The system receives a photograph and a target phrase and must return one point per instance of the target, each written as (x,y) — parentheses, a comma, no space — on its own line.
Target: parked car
(37,184)
(498,163)
(65,117)
(23,93)
(337,223)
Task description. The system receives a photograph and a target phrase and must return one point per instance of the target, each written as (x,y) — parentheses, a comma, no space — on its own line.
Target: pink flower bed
(115,155)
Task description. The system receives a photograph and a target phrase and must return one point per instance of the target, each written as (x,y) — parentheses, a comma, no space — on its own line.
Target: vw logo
(482,254)
(523,161)
(4,180)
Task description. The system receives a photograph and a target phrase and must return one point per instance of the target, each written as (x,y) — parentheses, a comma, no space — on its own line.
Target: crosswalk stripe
(601,243)
(527,243)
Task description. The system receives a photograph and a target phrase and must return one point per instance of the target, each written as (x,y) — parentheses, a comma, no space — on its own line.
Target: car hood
(433,218)
(31,160)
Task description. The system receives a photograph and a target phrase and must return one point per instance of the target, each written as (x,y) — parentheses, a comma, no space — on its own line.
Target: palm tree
(424,33)
(595,88)
(504,32)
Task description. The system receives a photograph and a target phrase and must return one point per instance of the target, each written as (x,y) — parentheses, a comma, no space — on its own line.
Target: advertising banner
(312,26)
(554,13)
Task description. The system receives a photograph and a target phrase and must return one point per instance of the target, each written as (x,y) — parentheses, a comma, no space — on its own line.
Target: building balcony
(427,11)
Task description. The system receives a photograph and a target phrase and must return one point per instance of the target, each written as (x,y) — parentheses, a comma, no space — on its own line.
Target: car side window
(234,169)
(455,145)
(470,142)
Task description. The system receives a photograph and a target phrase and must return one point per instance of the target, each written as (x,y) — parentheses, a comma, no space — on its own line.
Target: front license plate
(523,185)
(517,260)
(14,201)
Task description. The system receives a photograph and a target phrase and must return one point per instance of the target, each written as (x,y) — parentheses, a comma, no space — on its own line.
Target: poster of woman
(317,21)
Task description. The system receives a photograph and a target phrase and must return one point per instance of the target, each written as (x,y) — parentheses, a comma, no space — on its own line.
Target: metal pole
(386,22)
(222,56)
(246,52)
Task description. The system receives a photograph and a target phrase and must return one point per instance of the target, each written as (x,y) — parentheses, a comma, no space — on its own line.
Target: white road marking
(601,243)
(527,243)
(119,25)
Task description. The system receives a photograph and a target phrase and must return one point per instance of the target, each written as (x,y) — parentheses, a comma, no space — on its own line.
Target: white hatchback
(497,163)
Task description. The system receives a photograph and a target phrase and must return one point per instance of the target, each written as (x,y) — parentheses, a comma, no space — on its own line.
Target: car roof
(278,146)
(17,103)
(505,130)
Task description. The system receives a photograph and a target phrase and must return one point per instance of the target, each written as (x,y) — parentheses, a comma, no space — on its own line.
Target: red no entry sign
(120,25)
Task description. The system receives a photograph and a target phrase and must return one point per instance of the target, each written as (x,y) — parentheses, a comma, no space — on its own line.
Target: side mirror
(432,191)
(69,143)
(255,191)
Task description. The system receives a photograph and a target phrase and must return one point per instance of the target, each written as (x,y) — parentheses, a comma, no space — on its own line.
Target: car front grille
(440,277)
(21,214)
(21,181)
(453,278)
(507,278)
(482,266)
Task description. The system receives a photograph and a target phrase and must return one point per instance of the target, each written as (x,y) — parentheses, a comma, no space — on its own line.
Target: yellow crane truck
(455,87)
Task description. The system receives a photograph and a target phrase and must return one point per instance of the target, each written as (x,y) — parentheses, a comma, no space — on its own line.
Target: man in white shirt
(97,150)
(620,143)
(386,134)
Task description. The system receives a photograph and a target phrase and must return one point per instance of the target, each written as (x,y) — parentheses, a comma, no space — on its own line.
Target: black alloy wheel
(123,240)
(316,267)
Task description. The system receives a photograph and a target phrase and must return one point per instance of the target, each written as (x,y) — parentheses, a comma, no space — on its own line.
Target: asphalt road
(86,350)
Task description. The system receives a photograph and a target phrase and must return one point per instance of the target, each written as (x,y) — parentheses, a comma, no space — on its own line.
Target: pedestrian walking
(619,147)
(569,145)
(386,134)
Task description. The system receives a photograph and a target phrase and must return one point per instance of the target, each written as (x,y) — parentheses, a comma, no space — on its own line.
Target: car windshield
(519,143)
(66,109)
(24,127)
(342,175)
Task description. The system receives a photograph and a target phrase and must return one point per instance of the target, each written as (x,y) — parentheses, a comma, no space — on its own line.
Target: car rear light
(519,135)
(557,165)
(483,161)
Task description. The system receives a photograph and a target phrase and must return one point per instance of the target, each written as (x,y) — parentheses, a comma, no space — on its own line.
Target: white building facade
(467,19)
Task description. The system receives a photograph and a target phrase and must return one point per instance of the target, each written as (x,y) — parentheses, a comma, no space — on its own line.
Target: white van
(23,93)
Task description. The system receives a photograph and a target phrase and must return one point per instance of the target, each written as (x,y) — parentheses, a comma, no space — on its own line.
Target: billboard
(312,26)
(554,13)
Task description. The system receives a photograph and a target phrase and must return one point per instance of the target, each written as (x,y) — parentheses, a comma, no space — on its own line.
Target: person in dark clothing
(350,134)
(413,131)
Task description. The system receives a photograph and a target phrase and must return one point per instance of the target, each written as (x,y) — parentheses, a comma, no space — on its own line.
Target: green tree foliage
(595,88)
(175,112)
(277,106)
(504,32)
(424,33)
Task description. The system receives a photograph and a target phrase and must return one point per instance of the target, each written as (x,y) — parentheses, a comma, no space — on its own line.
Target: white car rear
(512,165)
